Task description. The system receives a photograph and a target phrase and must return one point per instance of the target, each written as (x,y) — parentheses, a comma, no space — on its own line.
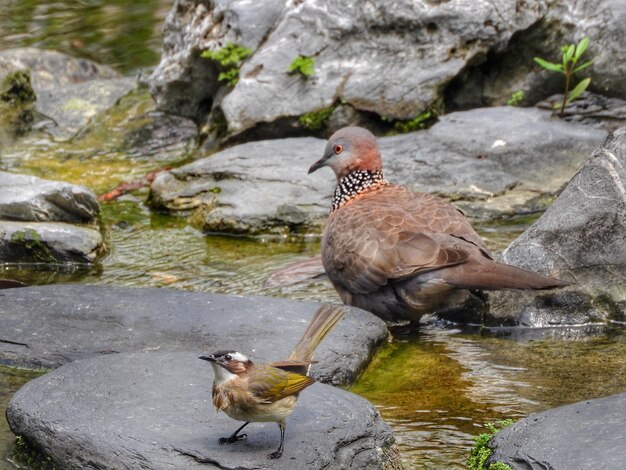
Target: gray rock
(392,60)
(581,236)
(584,435)
(52,69)
(72,106)
(48,326)
(28,198)
(154,411)
(251,188)
(491,81)
(48,243)
(493,162)
(38,221)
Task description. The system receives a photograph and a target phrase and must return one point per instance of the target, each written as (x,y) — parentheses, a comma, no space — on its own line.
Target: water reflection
(438,388)
(119,33)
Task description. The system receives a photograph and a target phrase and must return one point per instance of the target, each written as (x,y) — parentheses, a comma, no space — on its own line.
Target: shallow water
(436,389)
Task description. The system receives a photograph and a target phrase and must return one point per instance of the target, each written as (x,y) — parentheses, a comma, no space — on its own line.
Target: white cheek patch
(221,375)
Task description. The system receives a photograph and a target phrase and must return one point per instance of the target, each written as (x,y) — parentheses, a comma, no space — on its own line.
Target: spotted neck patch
(355,183)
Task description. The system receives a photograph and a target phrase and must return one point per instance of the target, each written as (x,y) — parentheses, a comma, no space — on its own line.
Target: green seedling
(568,67)
(303,65)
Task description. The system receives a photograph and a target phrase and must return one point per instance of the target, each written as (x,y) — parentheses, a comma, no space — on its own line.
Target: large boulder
(588,434)
(581,236)
(43,221)
(492,162)
(391,60)
(492,80)
(48,326)
(154,411)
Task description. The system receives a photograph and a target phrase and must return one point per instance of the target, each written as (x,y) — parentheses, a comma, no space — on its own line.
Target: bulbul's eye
(338,149)
(228,357)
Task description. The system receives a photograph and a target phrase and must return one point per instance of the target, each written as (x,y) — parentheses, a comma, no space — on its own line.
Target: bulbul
(266,392)
(397,253)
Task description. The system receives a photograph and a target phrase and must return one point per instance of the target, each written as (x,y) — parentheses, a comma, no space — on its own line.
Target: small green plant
(571,54)
(316,120)
(303,65)
(479,454)
(230,58)
(516,98)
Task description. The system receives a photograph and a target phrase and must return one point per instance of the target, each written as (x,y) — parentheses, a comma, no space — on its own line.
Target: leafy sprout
(230,58)
(571,53)
(481,451)
(304,65)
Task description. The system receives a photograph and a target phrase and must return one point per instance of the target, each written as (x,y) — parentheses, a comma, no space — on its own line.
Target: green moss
(316,120)
(31,241)
(16,88)
(27,456)
(479,454)
(303,65)
(419,122)
(230,58)
(516,98)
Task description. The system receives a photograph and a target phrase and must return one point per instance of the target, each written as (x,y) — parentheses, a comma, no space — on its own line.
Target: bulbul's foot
(275,455)
(231,439)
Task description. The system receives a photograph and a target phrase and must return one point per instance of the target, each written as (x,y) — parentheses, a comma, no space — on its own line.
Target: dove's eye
(228,357)
(338,149)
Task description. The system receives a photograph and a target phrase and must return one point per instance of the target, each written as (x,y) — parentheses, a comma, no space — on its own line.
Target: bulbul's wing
(269,384)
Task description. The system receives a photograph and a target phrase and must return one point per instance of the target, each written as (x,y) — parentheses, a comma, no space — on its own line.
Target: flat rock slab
(585,435)
(47,326)
(48,243)
(493,161)
(154,411)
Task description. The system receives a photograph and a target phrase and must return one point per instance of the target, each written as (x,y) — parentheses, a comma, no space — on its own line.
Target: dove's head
(350,149)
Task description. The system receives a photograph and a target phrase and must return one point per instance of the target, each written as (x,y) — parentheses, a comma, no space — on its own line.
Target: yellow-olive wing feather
(269,384)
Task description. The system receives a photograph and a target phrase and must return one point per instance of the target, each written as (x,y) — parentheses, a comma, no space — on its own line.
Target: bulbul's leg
(279,451)
(234,437)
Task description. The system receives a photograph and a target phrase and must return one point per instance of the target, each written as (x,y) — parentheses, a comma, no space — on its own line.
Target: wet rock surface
(581,236)
(155,411)
(52,69)
(588,434)
(71,107)
(49,222)
(48,243)
(29,198)
(49,326)
(492,162)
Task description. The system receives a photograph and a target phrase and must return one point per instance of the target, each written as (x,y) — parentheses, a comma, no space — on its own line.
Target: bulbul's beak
(210,358)
(319,164)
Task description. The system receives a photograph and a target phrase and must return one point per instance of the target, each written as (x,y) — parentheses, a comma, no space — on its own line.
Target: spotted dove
(401,254)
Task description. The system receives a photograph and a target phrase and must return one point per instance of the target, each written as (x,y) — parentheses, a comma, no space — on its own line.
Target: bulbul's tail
(322,323)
